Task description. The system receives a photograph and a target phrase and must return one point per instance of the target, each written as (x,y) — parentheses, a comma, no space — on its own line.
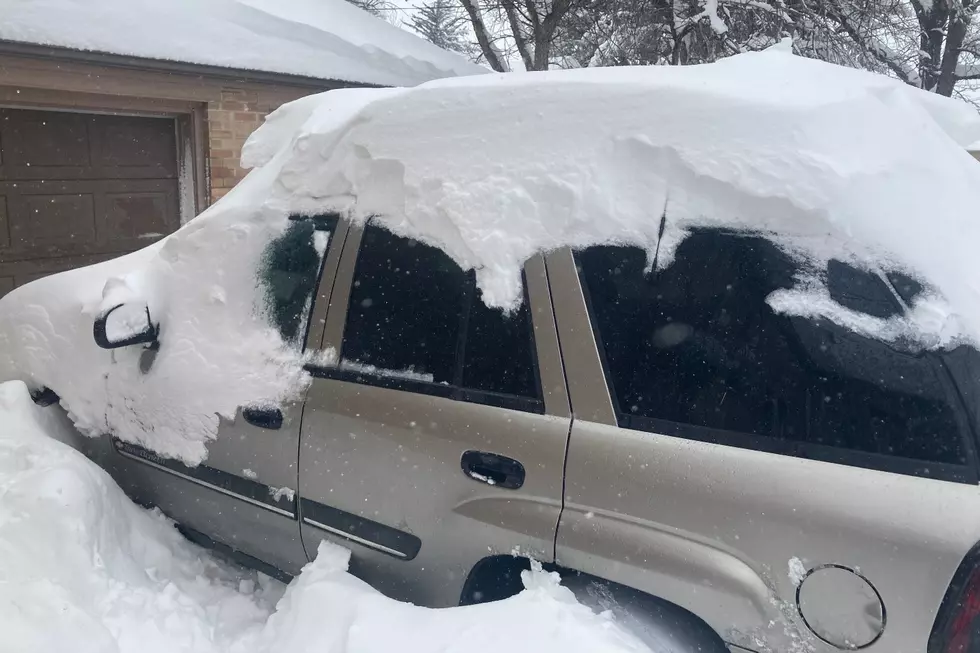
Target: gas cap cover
(841,607)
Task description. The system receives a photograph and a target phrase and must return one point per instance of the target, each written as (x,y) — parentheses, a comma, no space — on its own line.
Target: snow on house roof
(325,39)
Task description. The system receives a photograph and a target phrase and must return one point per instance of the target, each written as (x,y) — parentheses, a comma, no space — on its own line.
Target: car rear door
(796,484)
(436,437)
(243,494)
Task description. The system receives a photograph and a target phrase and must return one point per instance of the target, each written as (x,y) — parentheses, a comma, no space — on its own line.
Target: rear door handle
(493,469)
(264,418)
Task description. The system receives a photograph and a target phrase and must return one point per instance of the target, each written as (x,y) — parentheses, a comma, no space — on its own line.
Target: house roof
(324,39)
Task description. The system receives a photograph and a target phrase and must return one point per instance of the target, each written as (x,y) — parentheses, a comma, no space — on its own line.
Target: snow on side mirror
(124,325)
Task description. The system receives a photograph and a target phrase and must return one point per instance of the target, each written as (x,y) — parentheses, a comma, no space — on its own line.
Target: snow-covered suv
(702,339)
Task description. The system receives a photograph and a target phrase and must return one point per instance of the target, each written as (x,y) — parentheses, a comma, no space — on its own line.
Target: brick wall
(230,121)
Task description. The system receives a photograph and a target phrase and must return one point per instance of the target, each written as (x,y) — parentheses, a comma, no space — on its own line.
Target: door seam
(299,489)
(561,510)
(571,415)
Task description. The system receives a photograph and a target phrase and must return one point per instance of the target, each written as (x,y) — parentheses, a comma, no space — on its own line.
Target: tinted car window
(499,351)
(696,344)
(415,320)
(290,272)
(405,307)
(861,290)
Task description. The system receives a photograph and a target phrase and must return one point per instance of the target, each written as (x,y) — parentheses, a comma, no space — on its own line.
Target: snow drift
(826,162)
(221,351)
(85,570)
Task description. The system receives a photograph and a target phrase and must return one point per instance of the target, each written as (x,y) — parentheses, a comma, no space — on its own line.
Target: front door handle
(493,469)
(264,418)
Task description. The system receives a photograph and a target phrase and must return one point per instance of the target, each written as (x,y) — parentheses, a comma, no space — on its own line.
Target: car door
(244,493)
(436,437)
(796,484)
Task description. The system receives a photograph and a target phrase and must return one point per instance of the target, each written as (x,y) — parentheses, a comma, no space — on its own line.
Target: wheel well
(662,625)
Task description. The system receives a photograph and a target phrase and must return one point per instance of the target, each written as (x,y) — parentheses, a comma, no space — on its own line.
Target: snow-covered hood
(827,162)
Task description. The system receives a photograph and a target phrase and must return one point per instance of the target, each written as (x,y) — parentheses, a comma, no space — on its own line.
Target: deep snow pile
(827,162)
(327,39)
(219,349)
(84,570)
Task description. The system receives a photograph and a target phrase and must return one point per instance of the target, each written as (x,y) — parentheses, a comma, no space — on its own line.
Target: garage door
(77,189)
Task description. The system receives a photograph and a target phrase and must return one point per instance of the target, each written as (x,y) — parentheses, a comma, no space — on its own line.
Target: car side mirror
(124,325)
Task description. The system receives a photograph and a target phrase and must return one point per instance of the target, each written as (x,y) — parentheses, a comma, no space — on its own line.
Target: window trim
(966,473)
(443,390)
(330,223)
(952,472)
(339,311)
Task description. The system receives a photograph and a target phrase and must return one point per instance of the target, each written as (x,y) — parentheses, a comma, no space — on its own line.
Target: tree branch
(959,21)
(480,29)
(870,45)
(546,32)
(518,31)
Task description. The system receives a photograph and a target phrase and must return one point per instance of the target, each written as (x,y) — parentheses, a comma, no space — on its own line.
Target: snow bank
(327,39)
(85,570)
(826,161)
(327,610)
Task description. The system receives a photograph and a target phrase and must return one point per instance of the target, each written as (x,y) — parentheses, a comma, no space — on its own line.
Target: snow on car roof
(828,162)
(326,39)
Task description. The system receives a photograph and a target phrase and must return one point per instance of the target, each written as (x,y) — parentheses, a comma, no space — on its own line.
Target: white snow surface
(87,571)
(796,570)
(326,39)
(826,161)
(218,352)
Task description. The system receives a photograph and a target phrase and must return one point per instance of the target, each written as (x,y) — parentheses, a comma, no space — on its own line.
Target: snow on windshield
(85,570)
(827,162)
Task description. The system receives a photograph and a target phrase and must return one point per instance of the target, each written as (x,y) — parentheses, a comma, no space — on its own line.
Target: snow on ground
(827,162)
(327,39)
(86,571)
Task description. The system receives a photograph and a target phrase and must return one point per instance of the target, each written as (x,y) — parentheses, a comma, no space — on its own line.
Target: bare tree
(484,37)
(932,44)
(533,26)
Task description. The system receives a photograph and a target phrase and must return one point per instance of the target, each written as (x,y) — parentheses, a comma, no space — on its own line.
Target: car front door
(243,495)
(436,436)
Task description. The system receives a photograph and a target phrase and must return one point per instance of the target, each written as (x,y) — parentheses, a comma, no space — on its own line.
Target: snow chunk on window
(797,571)
(408,375)
(280,493)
